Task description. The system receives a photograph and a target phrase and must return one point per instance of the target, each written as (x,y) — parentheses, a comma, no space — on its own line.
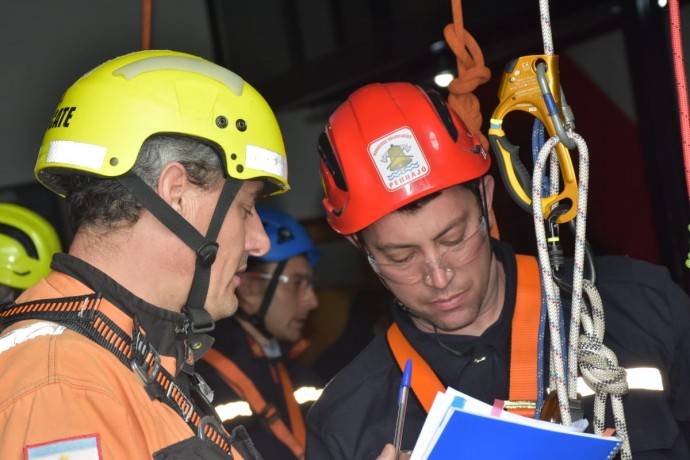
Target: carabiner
(552,107)
(521,90)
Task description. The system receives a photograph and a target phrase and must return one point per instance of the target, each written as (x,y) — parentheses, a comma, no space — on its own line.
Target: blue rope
(538,141)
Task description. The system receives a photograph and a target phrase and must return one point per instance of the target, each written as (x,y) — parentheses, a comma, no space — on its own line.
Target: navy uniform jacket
(233,342)
(647,325)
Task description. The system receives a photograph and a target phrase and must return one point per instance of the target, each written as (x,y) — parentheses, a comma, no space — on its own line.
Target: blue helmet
(288,238)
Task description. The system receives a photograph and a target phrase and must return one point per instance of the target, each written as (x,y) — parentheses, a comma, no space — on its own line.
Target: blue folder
(472,436)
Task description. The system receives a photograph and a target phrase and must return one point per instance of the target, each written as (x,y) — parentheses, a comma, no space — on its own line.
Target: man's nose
(438,276)
(309,299)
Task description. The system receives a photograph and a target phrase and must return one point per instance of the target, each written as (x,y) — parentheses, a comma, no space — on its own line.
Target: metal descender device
(531,84)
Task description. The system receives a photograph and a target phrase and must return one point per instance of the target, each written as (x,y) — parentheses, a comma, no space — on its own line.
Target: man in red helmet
(407,184)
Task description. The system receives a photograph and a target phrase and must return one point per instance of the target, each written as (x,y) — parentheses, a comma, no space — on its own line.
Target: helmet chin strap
(205,248)
(258,319)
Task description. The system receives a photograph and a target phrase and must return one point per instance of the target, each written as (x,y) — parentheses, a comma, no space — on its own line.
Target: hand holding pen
(402,406)
(388,453)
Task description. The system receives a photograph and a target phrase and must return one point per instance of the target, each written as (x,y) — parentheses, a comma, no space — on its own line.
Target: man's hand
(388,453)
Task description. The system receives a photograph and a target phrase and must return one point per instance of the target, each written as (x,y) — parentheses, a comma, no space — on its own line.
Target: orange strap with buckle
(243,386)
(523,355)
(524,342)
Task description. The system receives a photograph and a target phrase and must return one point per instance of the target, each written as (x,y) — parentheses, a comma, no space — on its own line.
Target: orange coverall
(61,387)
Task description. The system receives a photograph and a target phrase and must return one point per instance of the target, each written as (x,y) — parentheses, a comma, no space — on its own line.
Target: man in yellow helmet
(161,156)
(27,243)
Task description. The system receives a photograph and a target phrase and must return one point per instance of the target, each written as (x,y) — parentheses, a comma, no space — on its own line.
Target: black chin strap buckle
(206,254)
(200,320)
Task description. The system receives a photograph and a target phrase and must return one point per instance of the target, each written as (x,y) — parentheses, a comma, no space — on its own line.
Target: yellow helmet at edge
(27,244)
(104,117)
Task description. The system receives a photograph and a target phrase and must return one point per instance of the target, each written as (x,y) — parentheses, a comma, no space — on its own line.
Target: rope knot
(599,367)
(471,73)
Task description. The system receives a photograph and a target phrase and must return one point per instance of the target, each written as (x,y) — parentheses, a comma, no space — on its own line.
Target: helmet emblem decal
(398,158)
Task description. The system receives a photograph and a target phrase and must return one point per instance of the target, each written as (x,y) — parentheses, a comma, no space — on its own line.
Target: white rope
(597,363)
(545,17)
(586,352)
(600,370)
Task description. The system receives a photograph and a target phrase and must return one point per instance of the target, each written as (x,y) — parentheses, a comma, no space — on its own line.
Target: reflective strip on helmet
(230,79)
(640,378)
(76,154)
(267,161)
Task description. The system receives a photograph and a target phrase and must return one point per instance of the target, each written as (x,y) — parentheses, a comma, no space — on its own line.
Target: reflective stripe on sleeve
(29,332)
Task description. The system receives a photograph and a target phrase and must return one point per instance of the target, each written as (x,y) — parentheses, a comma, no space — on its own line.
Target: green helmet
(27,245)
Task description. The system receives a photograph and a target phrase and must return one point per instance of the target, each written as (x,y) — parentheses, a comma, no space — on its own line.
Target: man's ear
(172,183)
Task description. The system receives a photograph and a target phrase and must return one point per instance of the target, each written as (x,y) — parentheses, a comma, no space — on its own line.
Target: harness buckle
(203,388)
(269,414)
(520,404)
(186,405)
(216,428)
(141,349)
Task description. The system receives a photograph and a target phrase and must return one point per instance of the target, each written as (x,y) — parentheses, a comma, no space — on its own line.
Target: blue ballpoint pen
(402,405)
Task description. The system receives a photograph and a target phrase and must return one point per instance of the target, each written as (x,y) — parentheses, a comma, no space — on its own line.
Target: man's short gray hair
(106,204)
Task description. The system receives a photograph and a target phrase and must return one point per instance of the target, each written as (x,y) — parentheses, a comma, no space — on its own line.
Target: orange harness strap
(424,382)
(243,386)
(524,347)
(294,412)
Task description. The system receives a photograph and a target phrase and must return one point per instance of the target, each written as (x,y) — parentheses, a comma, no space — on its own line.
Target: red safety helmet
(389,145)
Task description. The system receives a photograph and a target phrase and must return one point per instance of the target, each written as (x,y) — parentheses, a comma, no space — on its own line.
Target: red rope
(146,6)
(471,73)
(679,68)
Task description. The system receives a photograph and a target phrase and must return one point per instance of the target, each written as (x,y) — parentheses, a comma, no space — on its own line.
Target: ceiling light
(443,78)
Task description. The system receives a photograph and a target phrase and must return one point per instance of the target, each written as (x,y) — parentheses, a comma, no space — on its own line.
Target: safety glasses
(452,258)
(298,283)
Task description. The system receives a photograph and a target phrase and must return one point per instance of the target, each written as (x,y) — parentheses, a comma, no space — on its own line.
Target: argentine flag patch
(82,448)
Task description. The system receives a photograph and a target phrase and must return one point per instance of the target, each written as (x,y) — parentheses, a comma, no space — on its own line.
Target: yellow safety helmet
(104,117)
(27,244)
